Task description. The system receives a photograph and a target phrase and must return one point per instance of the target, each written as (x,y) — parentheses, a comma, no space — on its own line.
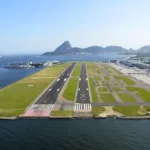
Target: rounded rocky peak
(64,46)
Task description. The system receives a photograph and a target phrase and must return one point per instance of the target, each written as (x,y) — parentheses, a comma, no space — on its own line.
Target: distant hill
(144,49)
(66,49)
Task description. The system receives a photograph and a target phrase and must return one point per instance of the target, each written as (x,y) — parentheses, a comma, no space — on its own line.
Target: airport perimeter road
(50,96)
(83,89)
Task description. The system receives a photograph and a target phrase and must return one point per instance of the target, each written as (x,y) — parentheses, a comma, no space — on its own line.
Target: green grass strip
(103,89)
(70,91)
(63,113)
(142,93)
(125,79)
(97,110)
(107,98)
(126,97)
(116,89)
(128,110)
(77,69)
(93,91)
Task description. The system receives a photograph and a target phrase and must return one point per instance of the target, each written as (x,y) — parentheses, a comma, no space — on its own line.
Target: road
(51,94)
(83,89)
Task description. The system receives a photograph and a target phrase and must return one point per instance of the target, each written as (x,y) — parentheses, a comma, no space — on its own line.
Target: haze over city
(37,26)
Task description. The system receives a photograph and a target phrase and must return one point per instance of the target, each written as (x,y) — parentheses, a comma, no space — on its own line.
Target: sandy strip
(109,112)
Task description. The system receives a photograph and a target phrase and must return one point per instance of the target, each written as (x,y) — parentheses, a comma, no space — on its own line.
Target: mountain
(66,49)
(144,49)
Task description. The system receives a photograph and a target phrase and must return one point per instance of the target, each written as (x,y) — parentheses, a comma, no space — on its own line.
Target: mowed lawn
(107,98)
(92,69)
(93,91)
(77,70)
(16,97)
(63,113)
(97,110)
(125,79)
(103,89)
(142,93)
(128,110)
(70,91)
(126,97)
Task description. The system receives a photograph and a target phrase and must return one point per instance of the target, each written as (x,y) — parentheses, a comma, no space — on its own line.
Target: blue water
(86,134)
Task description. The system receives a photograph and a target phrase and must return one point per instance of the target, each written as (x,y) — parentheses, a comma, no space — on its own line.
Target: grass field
(144,94)
(97,110)
(92,69)
(106,78)
(63,113)
(70,91)
(97,78)
(16,97)
(103,89)
(125,79)
(77,69)
(93,91)
(126,97)
(147,108)
(128,110)
(116,89)
(107,98)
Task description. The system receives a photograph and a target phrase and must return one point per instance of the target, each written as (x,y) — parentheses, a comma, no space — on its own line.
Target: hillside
(66,49)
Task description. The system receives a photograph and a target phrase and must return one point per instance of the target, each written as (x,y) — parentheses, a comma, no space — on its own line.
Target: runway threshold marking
(79,107)
(58,79)
(57,89)
(39,110)
(65,79)
(49,89)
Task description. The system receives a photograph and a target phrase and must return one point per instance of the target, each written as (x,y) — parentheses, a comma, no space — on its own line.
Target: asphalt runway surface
(83,89)
(51,94)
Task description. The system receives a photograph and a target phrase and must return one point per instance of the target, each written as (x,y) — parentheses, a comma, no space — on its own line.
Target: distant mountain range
(67,49)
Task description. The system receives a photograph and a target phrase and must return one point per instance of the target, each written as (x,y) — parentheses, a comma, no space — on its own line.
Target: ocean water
(72,134)
(80,134)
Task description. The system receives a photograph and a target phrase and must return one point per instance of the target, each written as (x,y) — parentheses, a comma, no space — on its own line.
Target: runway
(83,89)
(50,96)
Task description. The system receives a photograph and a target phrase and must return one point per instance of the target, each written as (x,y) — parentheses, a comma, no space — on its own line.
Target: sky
(37,26)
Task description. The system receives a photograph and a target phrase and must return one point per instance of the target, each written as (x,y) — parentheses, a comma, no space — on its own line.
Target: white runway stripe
(82,107)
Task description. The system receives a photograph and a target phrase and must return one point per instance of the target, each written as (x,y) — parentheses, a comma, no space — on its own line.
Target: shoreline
(70,117)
